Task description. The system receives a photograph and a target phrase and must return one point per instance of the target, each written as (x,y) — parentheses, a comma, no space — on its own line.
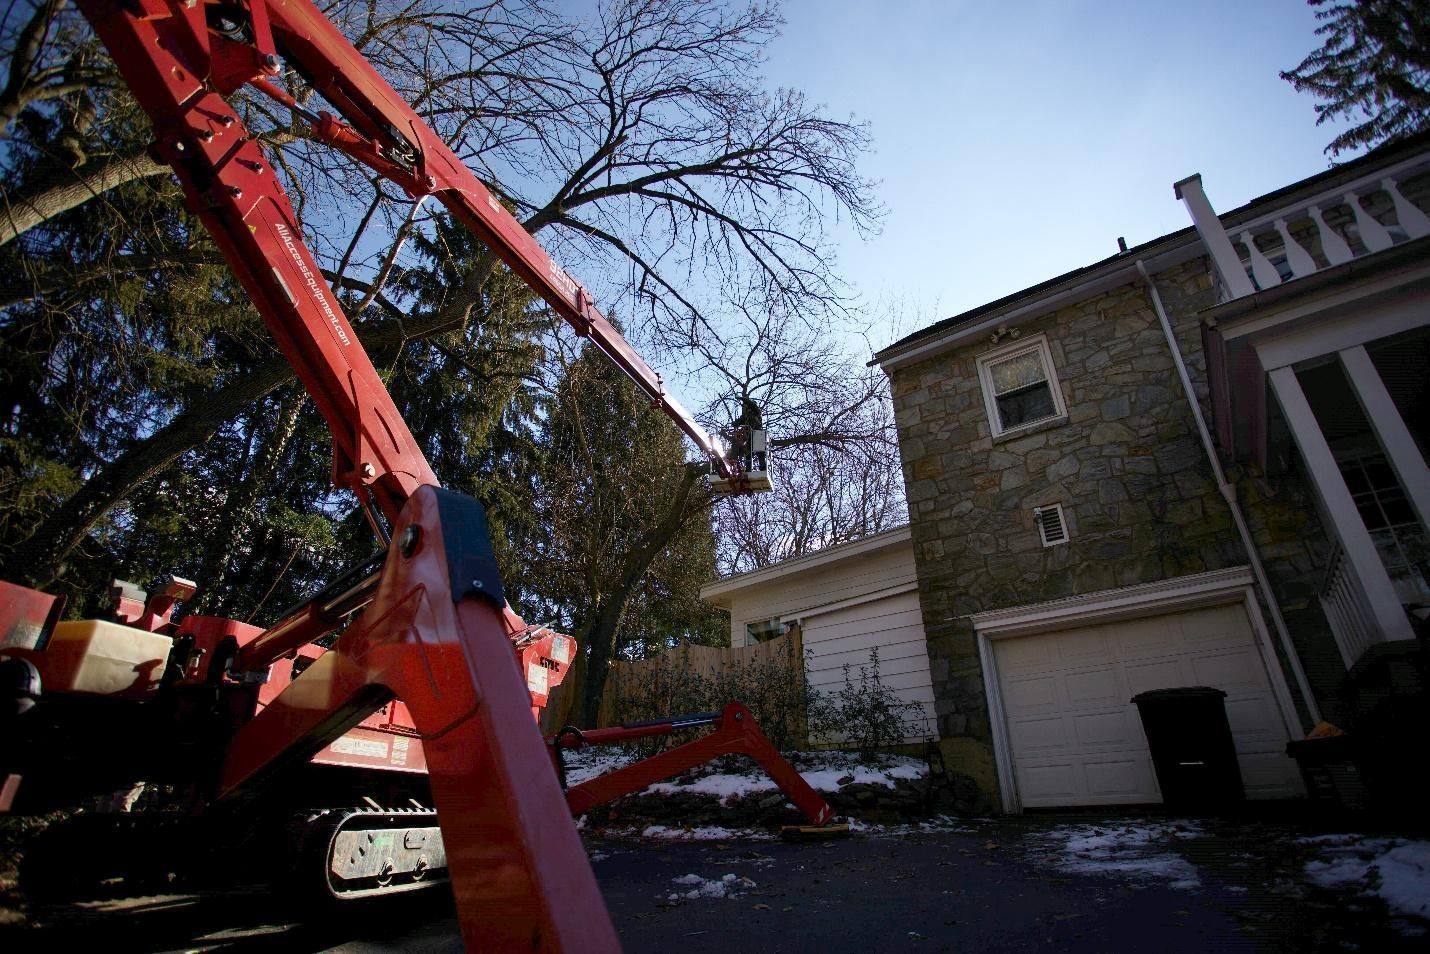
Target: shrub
(865,715)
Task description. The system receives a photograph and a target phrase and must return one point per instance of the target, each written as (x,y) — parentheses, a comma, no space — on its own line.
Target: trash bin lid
(1181,692)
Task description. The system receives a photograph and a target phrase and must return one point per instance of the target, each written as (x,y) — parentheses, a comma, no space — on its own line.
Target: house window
(763,631)
(1393,526)
(1019,386)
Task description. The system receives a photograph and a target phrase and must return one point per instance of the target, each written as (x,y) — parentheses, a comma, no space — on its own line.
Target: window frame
(777,628)
(1035,343)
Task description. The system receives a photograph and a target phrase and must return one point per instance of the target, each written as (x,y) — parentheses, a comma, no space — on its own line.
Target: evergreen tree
(623,538)
(1374,65)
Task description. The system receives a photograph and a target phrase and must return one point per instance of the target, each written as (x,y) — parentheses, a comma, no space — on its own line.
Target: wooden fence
(709,663)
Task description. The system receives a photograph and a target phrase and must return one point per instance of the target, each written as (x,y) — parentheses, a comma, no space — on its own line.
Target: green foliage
(864,715)
(621,539)
(1374,66)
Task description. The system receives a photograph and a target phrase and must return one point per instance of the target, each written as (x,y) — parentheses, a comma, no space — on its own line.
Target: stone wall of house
(1127,466)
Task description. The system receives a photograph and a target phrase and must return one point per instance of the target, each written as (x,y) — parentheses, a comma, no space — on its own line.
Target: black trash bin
(1192,748)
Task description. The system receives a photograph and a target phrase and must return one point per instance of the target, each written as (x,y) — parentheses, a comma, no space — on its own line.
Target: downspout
(1228,494)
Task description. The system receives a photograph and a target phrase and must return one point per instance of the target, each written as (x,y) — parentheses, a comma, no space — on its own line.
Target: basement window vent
(1051,526)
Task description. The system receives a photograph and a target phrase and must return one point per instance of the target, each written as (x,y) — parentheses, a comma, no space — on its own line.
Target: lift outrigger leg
(736,733)
(433,637)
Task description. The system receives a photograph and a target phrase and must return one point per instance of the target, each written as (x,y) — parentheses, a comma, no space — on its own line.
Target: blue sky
(1018,140)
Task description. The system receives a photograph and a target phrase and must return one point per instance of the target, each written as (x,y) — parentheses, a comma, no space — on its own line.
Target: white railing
(1344,602)
(1350,220)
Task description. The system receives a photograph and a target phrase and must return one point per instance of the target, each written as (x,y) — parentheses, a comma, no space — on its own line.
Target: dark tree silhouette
(1374,66)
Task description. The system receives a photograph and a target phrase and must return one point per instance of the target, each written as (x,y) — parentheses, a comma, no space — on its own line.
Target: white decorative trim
(799,616)
(1038,343)
(769,574)
(1351,313)
(1108,604)
(1346,524)
(1215,588)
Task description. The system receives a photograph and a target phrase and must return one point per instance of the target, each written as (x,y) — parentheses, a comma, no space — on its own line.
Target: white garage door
(894,625)
(1074,737)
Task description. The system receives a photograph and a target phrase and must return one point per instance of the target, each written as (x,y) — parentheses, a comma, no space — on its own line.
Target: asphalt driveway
(1064,883)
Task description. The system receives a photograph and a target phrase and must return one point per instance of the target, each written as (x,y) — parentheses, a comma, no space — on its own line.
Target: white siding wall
(820,587)
(894,626)
(847,604)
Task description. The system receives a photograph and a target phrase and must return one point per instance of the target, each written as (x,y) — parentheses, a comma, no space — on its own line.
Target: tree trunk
(39,559)
(604,626)
(57,194)
(238,518)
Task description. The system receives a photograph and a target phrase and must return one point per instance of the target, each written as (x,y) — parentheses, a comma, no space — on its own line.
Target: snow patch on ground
(939,823)
(1137,850)
(824,771)
(1396,869)
(721,786)
(706,833)
(692,887)
(833,779)
(587,764)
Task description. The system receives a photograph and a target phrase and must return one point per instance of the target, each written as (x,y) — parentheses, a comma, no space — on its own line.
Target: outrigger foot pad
(813,832)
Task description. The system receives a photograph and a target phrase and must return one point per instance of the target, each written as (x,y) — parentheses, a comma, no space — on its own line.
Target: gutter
(1228,493)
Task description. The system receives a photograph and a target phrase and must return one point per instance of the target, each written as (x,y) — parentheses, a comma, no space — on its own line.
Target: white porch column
(1209,227)
(1388,615)
(1390,429)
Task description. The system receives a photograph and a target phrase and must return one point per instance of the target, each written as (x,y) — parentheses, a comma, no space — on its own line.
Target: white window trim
(1217,587)
(1038,343)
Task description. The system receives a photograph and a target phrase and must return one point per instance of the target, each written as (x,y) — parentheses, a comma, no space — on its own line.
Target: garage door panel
(1215,624)
(1025,695)
(1134,638)
(1040,736)
(1263,774)
(1158,674)
(1050,784)
(1106,730)
(1081,645)
(1254,717)
(1125,777)
(1075,738)
(1094,687)
(1017,655)
(1229,670)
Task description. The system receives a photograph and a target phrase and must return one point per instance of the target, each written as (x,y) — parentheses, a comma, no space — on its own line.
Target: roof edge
(711,592)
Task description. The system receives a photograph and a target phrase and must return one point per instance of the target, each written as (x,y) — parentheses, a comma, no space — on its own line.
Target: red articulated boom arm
(434,631)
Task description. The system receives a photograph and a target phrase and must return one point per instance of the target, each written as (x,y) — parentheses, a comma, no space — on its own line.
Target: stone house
(1200,461)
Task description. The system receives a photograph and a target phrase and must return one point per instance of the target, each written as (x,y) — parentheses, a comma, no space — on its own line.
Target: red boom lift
(237,721)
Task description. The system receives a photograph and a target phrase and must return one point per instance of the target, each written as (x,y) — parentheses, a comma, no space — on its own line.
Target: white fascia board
(800,616)
(1120,272)
(1126,601)
(1340,299)
(721,591)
